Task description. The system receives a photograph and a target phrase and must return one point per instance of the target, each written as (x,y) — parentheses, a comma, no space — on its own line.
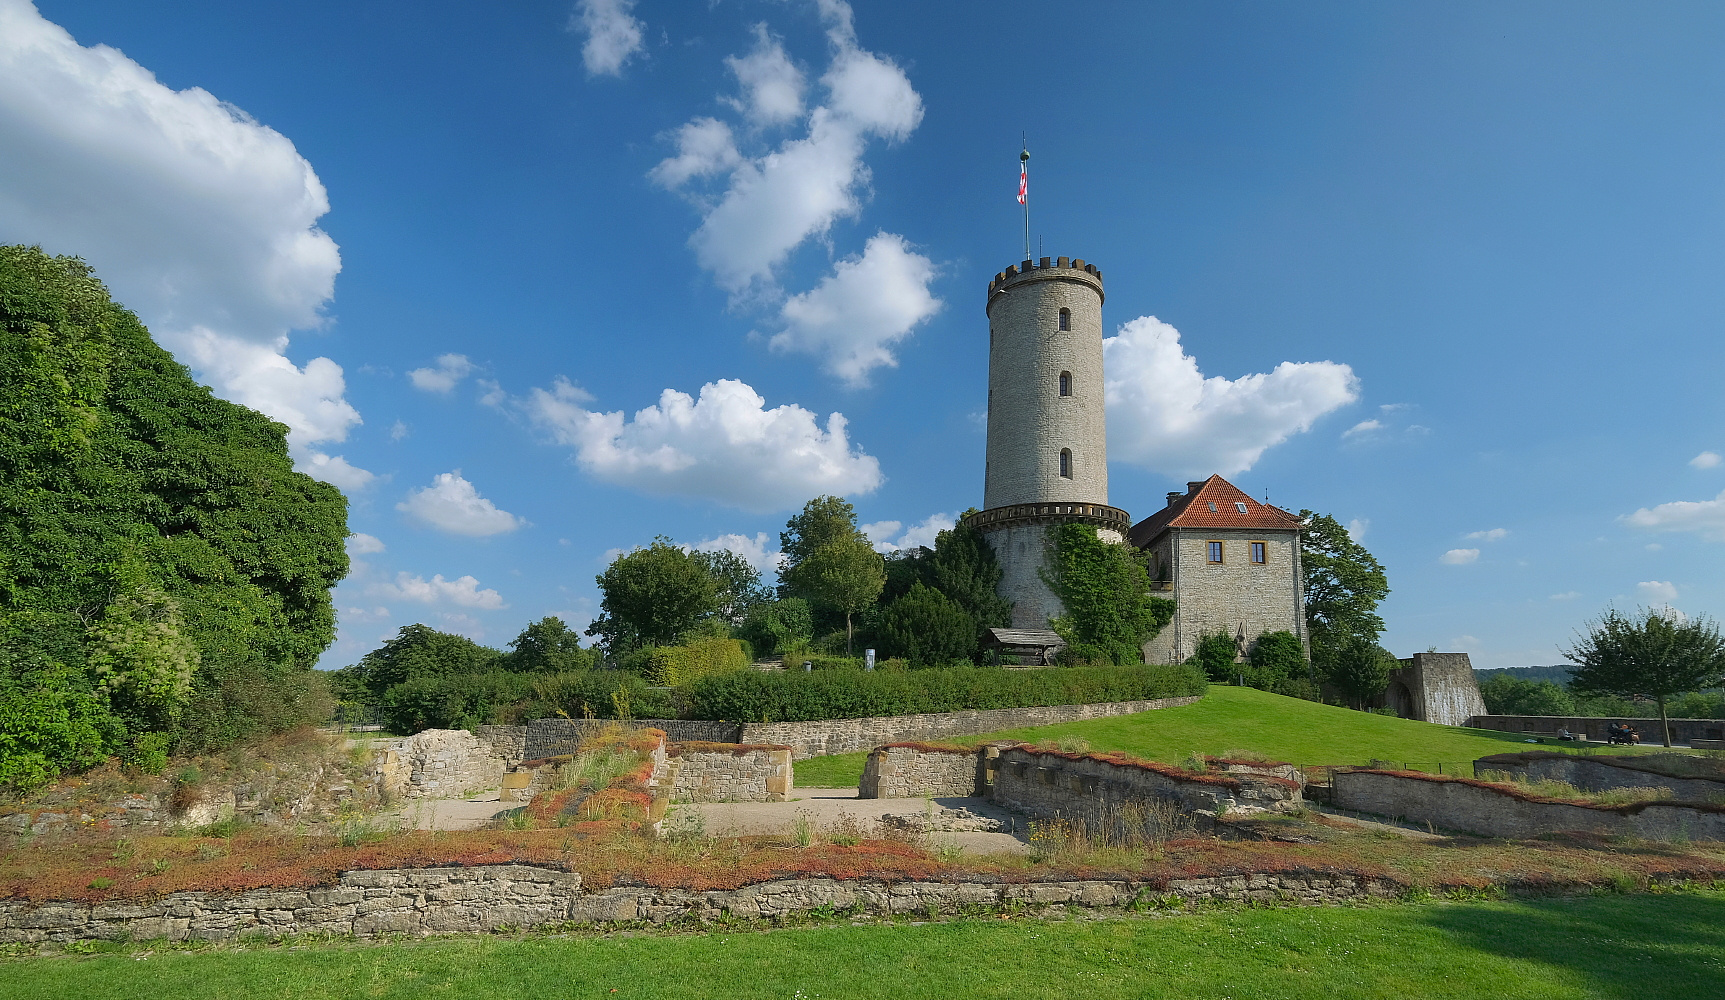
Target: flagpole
(1024,185)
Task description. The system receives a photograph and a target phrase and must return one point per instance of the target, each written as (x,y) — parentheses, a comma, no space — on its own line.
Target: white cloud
(452,504)
(761,552)
(361,544)
(1487,536)
(704,147)
(334,470)
(882,533)
(772,85)
(856,314)
(1165,415)
(462,591)
(201,219)
(1568,595)
(1661,591)
(450,370)
(1357,528)
(1362,428)
(1459,557)
(397,431)
(725,446)
(613,34)
(1653,547)
(1706,460)
(1706,517)
(1464,642)
(364,615)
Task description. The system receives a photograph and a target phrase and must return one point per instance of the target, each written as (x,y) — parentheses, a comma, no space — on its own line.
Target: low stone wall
(1102,792)
(552,737)
(913,770)
(726,772)
(428,901)
(446,763)
(1491,811)
(1683,731)
(1600,774)
(830,736)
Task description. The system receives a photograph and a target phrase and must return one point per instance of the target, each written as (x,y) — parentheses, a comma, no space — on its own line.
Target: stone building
(1230,562)
(1047,431)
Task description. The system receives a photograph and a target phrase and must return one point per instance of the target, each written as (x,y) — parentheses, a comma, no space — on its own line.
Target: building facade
(1230,562)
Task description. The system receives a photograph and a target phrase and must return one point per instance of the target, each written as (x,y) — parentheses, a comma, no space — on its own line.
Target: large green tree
(846,574)
(961,567)
(547,646)
(1655,653)
(651,596)
(1105,590)
(927,628)
(420,653)
(739,584)
(1344,584)
(168,561)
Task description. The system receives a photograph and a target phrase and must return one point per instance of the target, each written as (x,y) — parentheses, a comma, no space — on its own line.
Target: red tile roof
(1194,510)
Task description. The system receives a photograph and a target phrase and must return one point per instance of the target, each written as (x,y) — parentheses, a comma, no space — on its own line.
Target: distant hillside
(1558,672)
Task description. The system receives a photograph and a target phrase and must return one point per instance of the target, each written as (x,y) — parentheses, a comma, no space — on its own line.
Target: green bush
(794,696)
(927,628)
(1215,656)
(47,729)
(776,626)
(453,701)
(596,694)
(673,666)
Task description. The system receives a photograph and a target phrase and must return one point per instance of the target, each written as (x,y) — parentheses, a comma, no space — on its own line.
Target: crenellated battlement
(1047,269)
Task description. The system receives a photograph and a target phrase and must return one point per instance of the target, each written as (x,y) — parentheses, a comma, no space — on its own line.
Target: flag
(1023,181)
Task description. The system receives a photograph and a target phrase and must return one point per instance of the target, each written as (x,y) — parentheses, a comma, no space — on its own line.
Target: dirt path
(825,807)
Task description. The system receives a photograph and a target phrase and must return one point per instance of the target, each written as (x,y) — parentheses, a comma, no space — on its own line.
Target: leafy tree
(846,574)
(1359,668)
(419,651)
(1216,655)
(1506,695)
(1655,654)
(1106,594)
(822,521)
(739,584)
(155,538)
(927,628)
(961,566)
(1276,657)
(652,595)
(776,625)
(547,646)
(1344,585)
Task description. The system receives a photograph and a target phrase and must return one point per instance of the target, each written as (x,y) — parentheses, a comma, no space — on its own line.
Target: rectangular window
(1258,553)
(1215,551)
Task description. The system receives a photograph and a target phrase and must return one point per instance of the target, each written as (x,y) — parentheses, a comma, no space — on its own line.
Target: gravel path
(824,808)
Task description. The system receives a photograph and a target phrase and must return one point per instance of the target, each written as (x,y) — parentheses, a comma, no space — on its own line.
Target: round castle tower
(1047,431)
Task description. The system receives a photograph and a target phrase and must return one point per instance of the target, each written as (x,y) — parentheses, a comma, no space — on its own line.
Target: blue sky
(1451,273)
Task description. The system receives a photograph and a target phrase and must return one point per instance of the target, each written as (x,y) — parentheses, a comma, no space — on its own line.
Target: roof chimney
(1192,487)
(1174,498)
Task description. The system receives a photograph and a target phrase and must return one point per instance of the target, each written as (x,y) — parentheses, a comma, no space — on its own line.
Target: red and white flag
(1023,181)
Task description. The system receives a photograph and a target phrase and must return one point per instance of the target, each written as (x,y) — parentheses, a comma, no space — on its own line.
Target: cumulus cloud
(398,431)
(724,446)
(362,544)
(705,146)
(761,552)
(1165,415)
(201,219)
(450,370)
(886,536)
(613,34)
(1705,460)
(1661,591)
(1487,536)
(1459,557)
(856,314)
(772,86)
(452,504)
(334,470)
(1704,517)
(462,591)
(1358,527)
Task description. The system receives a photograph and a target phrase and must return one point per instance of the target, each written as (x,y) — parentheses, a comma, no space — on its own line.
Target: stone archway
(1400,700)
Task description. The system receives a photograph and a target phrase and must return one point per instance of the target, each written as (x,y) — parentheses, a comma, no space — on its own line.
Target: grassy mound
(1234,718)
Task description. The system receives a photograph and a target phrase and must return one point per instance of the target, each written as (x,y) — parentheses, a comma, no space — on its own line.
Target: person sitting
(1563,733)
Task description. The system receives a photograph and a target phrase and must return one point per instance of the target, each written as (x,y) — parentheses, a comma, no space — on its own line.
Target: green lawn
(1643,947)
(1236,718)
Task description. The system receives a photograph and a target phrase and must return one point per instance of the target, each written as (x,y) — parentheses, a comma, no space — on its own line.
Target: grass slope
(1646,947)
(1236,718)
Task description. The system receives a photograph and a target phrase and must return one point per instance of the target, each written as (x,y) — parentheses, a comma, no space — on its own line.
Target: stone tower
(1047,431)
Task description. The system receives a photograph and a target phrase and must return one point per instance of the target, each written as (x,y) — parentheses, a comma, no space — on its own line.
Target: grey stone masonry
(711,772)
(1461,804)
(912,770)
(1600,774)
(428,901)
(552,737)
(444,763)
(1236,596)
(1684,732)
(1091,788)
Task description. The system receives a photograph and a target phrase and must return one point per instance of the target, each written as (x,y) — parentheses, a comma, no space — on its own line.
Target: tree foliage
(1344,585)
(155,538)
(421,653)
(739,584)
(1655,654)
(1216,654)
(846,574)
(927,628)
(547,646)
(1106,593)
(1507,695)
(774,626)
(1359,669)
(651,596)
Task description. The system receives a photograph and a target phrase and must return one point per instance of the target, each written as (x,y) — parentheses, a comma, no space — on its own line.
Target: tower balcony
(1099,514)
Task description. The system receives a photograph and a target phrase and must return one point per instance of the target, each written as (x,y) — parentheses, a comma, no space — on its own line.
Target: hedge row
(673,666)
(793,696)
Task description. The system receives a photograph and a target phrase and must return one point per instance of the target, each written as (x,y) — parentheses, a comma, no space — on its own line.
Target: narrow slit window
(1066,463)
(1066,383)
(1065,319)
(1215,551)
(1258,553)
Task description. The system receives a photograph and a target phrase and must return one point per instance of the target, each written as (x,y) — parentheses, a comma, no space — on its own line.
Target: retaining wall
(428,901)
(723,772)
(1600,774)
(913,770)
(444,763)
(1097,791)
(1490,811)
(1683,731)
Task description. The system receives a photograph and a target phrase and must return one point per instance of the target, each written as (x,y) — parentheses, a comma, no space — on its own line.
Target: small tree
(739,584)
(652,595)
(547,646)
(1655,654)
(1105,592)
(1215,655)
(1359,668)
(1277,657)
(420,651)
(846,574)
(927,628)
